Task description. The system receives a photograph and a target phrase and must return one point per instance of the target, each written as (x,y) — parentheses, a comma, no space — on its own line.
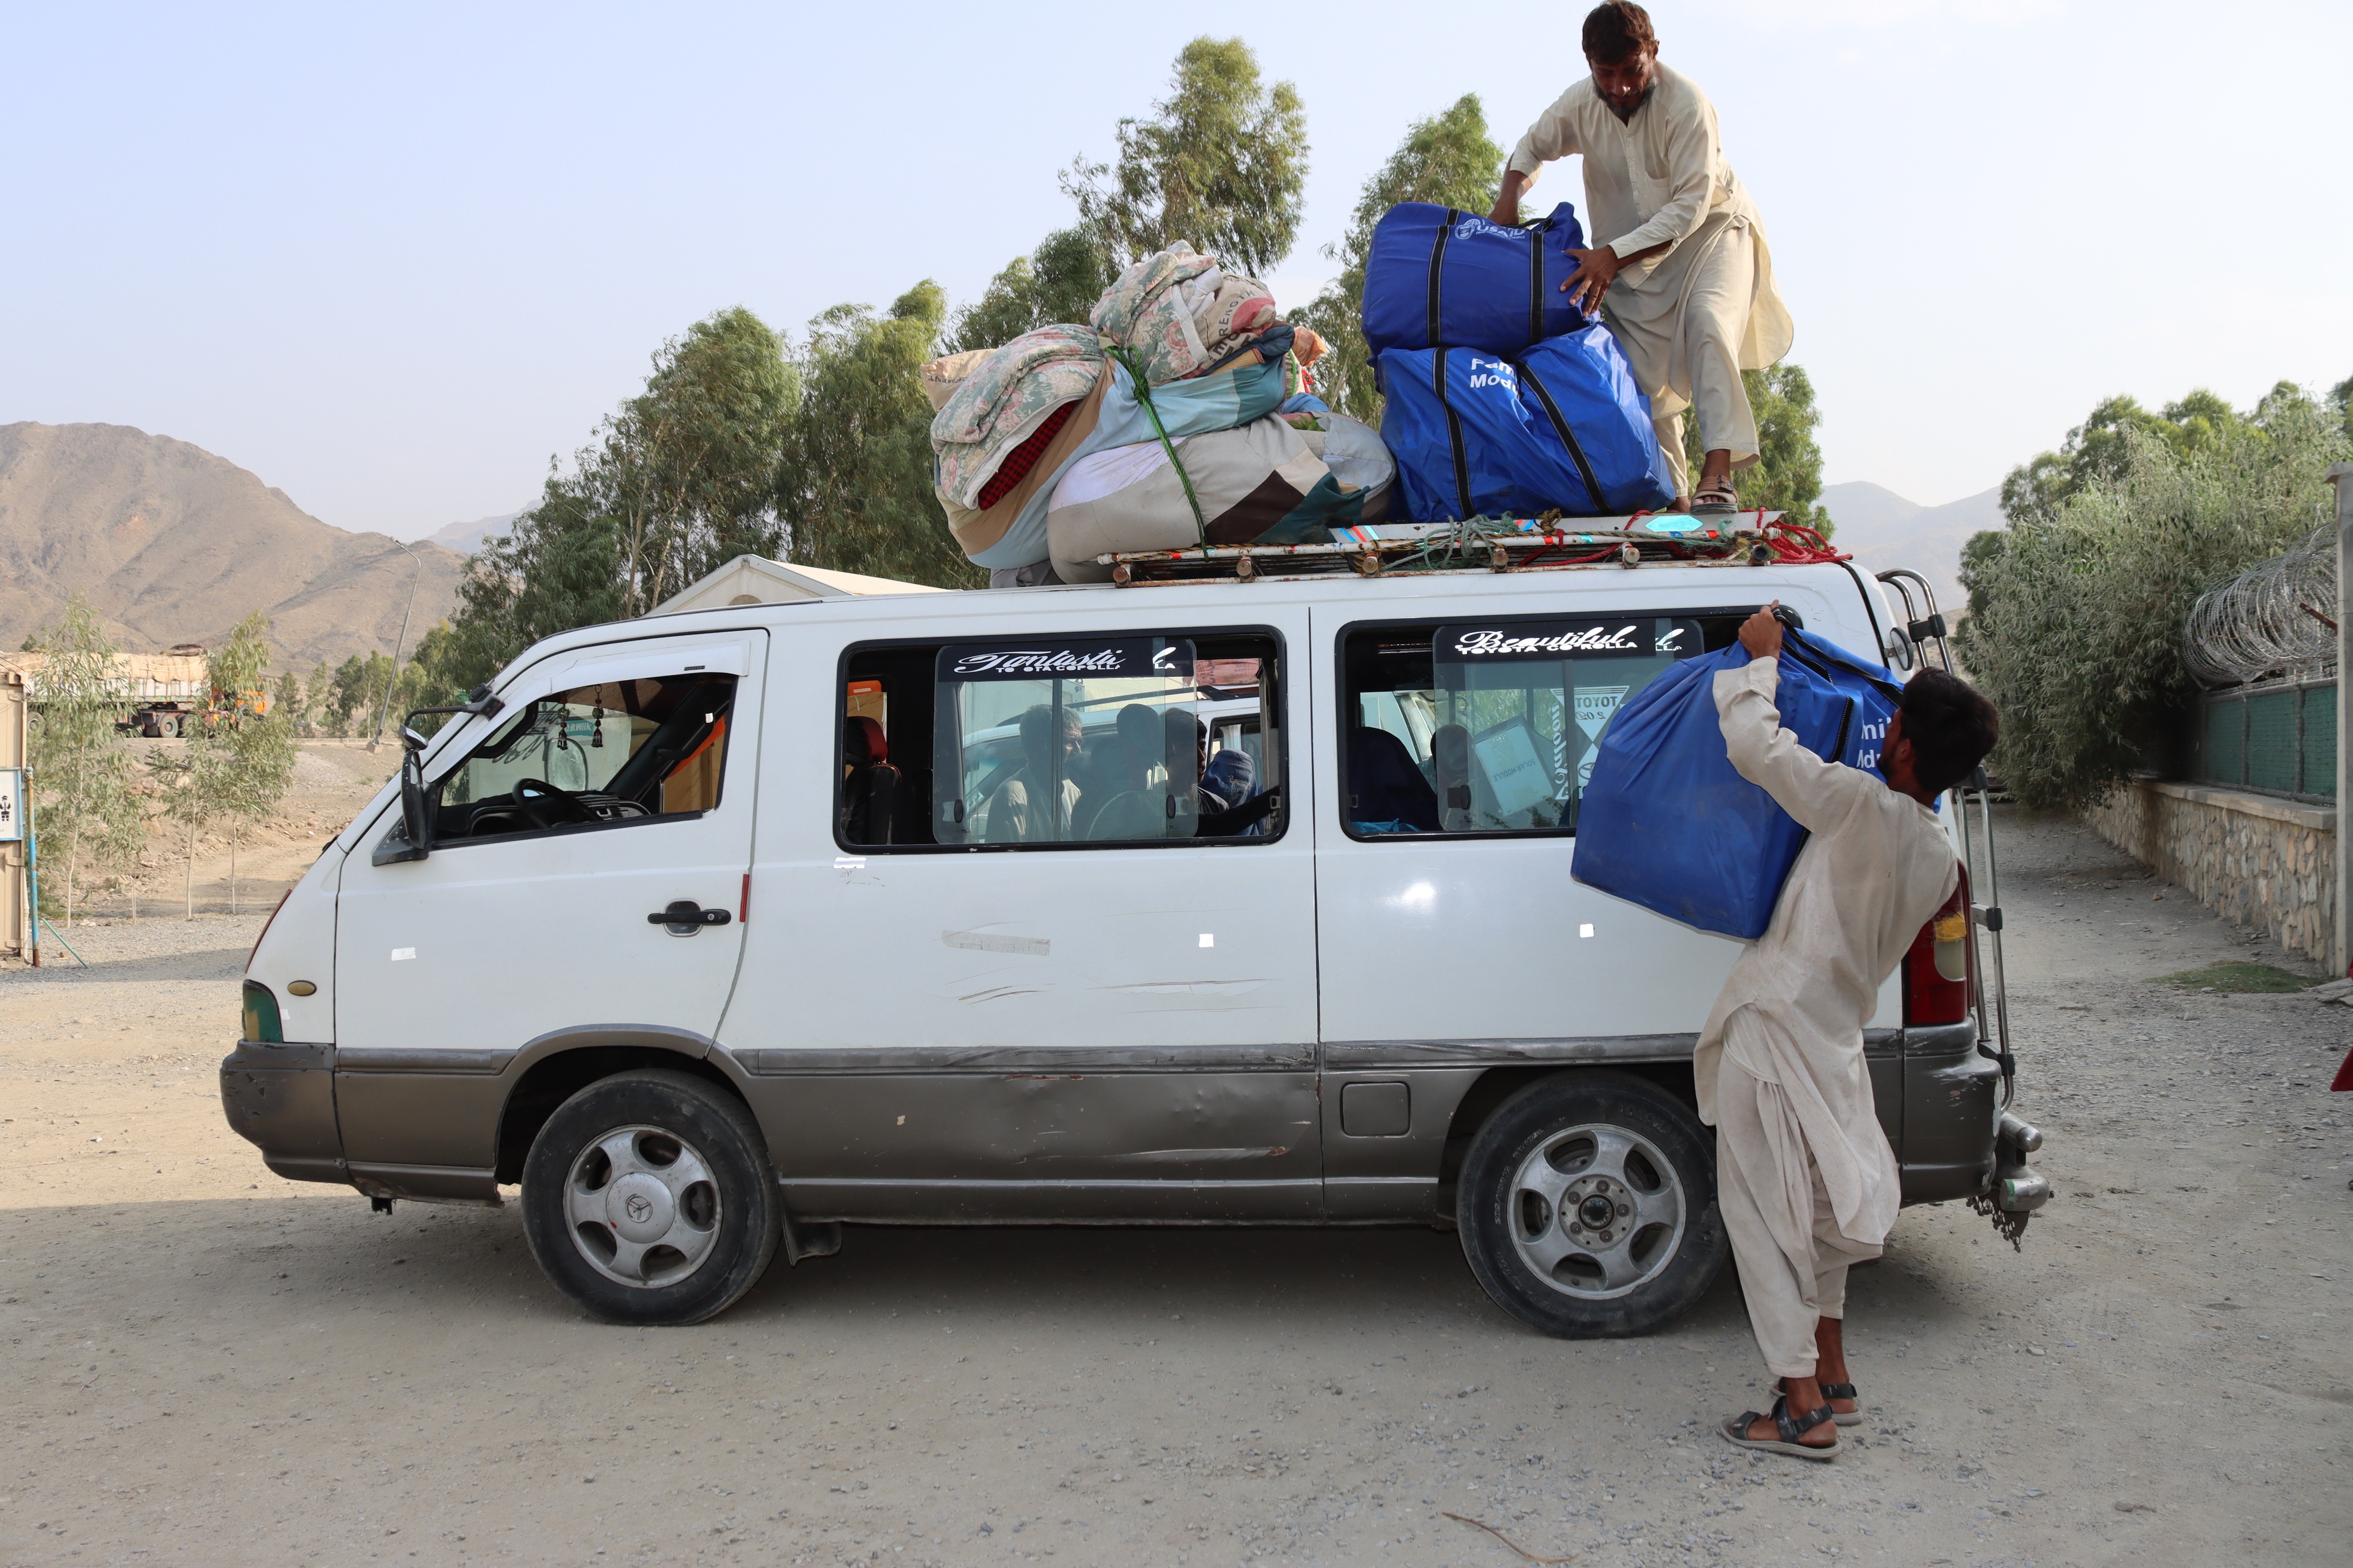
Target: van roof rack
(1490,544)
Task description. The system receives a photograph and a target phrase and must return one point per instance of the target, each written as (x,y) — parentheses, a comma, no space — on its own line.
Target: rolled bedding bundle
(1002,400)
(1178,347)
(1182,314)
(1265,483)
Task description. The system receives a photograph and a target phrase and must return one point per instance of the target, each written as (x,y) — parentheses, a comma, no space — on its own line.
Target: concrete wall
(2255,859)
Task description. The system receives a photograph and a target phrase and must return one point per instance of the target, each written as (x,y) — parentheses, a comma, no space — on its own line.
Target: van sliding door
(1032,932)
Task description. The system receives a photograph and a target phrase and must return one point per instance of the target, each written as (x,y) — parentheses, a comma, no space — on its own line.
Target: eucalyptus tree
(78,764)
(1221,163)
(241,760)
(854,488)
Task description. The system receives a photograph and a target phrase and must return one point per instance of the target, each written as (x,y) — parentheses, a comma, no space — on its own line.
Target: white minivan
(1242,903)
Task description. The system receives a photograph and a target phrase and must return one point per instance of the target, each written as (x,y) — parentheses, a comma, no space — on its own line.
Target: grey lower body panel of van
(1364,1131)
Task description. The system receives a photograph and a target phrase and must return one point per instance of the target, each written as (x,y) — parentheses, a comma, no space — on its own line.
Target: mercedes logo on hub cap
(638,1208)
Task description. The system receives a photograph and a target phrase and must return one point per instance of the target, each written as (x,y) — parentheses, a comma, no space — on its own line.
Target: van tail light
(1936,969)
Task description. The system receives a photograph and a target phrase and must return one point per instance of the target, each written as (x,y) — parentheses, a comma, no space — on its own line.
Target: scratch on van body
(1188,987)
(998,994)
(990,941)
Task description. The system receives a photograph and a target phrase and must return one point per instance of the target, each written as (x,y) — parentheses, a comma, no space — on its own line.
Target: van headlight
(262,1022)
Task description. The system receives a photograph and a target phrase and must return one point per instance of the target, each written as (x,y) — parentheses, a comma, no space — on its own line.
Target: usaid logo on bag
(1080,659)
(1477,228)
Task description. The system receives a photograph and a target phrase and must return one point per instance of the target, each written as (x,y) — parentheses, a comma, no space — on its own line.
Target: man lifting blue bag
(1666,822)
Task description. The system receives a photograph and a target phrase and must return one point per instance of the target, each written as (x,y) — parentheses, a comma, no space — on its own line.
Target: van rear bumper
(281,1099)
(1952,1106)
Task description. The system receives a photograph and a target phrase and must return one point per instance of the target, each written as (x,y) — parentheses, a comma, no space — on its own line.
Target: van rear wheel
(647,1198)
(1586,1207)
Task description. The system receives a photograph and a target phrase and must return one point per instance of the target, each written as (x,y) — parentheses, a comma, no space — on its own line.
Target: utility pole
(2340,914)
(398,643)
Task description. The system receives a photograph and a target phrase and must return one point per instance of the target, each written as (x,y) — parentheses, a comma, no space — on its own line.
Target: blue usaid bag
(1667,823)
(1482,434)
(1442,278)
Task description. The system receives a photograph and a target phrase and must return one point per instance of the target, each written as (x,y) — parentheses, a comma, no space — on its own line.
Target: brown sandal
(1790,1428)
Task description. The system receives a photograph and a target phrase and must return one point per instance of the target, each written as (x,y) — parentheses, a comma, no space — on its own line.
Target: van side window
(1489,727)
(616,752)
(1061,743)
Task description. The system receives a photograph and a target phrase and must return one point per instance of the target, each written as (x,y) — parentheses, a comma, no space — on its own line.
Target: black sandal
(1791,1428)
(1833,1391)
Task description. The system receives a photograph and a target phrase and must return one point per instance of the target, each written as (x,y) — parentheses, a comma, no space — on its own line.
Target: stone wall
(2256,859)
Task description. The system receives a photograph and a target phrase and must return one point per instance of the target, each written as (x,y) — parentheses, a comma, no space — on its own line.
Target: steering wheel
(547,806)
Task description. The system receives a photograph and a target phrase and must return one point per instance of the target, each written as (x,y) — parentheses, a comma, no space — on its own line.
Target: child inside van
(1805,1178)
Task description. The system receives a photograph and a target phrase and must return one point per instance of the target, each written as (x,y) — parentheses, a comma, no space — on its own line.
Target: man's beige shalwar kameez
(1693,319)
(1805,1179)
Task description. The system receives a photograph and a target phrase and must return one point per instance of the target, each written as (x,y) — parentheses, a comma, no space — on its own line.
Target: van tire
(670,1113)
(1604,1141)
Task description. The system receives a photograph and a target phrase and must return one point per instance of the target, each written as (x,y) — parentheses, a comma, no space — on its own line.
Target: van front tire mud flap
(647,1198)
(1586,1207)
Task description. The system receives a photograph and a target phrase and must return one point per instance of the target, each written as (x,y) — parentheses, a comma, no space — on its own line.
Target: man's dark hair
(1950,725)
(1617,30)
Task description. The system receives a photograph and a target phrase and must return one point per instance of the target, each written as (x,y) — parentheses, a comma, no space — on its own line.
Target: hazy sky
(392,259)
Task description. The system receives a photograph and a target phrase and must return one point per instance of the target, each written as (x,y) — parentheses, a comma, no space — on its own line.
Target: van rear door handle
(684,917)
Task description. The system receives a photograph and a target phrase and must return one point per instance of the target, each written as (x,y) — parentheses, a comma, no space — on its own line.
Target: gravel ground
(207,1365)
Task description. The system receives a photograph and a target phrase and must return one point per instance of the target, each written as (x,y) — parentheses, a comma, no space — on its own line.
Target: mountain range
(173,545)
(1882,530)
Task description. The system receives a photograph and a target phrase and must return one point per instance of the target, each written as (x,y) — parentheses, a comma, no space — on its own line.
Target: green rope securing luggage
(1127,361)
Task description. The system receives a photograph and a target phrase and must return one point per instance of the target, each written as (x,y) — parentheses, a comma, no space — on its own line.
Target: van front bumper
(282,1099)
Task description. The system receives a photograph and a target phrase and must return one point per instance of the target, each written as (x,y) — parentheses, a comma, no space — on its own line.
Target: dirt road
(207,1365)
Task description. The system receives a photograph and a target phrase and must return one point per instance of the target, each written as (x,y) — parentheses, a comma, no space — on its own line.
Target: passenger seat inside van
(1387,792)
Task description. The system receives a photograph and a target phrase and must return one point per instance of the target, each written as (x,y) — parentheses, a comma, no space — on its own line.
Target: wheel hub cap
(1597,1211)
(643,1206)
(639,1207)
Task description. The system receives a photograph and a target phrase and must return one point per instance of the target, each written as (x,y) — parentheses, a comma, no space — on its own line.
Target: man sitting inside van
(1805,1179)
(1033,804)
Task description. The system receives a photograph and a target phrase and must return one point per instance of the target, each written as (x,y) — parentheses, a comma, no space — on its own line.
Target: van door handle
(684,917)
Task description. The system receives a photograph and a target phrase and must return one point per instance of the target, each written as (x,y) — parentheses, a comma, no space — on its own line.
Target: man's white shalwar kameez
(1805,1178)
(1691,320)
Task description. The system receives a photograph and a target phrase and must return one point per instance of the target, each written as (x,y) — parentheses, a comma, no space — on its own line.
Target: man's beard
(1631,105)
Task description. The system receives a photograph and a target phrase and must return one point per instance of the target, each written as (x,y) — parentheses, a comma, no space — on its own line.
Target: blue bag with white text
(1441,278)
(1666,821)
(1482,434)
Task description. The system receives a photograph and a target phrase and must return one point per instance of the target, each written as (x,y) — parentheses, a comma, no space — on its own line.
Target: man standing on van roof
(1805,1180)
(1680,270)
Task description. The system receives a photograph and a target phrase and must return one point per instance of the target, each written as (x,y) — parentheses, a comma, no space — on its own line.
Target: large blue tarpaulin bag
(1441,278)
(1667,823)
(1482,434)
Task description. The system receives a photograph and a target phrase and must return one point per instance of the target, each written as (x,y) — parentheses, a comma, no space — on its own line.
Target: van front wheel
(647,1198)
(1586,1207)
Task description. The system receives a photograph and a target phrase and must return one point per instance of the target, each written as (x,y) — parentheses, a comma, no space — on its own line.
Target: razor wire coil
(2277,619)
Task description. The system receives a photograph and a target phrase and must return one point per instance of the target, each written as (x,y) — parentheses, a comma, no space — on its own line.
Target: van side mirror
(416,810)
